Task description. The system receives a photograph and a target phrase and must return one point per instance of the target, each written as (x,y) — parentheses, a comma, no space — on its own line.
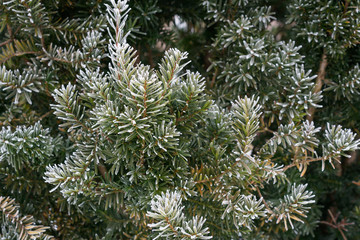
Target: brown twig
(303,162)
(6,42)
(263,200)
(11,35)
(347,2)
(319,83)
(150,56)
(45,115)
(17,54)
(340,226)
(213,78)
(103,171)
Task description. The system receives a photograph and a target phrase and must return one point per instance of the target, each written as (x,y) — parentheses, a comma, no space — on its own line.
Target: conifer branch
(25,225)
(146,152)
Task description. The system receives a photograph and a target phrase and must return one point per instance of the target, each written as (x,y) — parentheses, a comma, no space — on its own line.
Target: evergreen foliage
(24,228)
(179,119)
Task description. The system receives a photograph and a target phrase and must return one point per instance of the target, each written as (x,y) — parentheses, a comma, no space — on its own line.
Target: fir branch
(293,204)
(18,48)
(25,225)
(167,211)
(27,146)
